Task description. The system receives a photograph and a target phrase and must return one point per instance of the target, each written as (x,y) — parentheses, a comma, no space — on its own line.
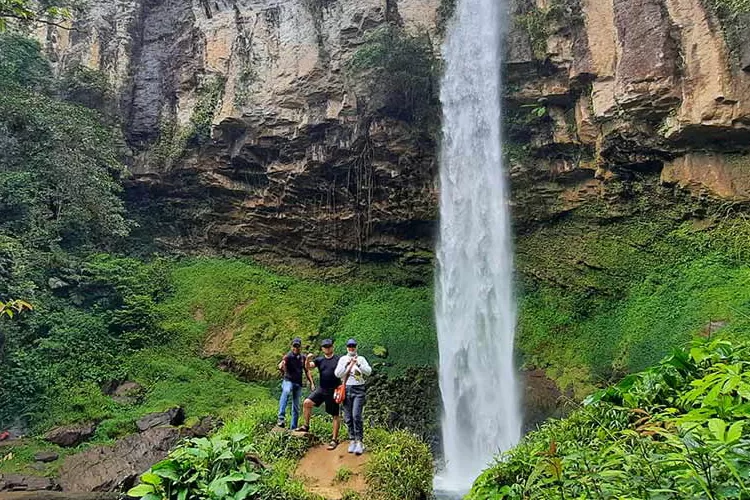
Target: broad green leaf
(744,390)
(236,438)
(251,477)
(182,495)
(166,469)
(698,354)
(246,490)
(735,432)
(219,487)
(717,428)
(150,478)
(140,490)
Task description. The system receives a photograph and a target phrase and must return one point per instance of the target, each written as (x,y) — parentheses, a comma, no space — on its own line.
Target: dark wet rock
(173,416)
(19,482)
(70,435)
(205,426)
(116,467)
(46,456)
(542,398)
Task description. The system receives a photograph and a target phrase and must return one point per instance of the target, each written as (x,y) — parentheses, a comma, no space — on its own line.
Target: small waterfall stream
(475,304)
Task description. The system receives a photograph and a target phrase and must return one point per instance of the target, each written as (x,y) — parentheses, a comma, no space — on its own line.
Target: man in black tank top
(326,365)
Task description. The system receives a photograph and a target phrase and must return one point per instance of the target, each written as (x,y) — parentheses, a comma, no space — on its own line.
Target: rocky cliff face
(302,159)
(621,88)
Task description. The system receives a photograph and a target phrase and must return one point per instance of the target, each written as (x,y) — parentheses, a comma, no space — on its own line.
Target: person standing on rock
(328,382)
(292,366)
(353,369)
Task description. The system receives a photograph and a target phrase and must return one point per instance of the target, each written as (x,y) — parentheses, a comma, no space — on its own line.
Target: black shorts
(320,396)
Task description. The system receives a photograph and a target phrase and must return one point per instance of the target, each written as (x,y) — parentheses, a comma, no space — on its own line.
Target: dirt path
(318,469)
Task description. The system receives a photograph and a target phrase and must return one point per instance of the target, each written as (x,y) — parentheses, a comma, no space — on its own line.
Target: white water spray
(474,297)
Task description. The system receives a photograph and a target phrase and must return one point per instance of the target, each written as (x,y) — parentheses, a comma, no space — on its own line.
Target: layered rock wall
(303,162)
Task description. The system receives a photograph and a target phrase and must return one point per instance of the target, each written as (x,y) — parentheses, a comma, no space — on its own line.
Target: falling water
(474,299)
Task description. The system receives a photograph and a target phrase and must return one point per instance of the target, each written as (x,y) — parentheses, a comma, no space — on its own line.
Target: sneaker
(352,446)
(359,448)
(281,424)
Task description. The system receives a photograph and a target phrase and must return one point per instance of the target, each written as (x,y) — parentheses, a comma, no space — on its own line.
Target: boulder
(116,467)
(46,456)
(173,416)
(205,426)
(127,393)
(19,482)
(70,435)
(60,495)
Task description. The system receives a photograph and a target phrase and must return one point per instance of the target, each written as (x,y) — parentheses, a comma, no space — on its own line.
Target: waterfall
(474,299)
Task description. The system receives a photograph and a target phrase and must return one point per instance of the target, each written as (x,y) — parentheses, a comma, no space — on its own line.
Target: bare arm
(309,375)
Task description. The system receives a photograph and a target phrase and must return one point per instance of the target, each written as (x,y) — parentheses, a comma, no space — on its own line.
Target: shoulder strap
(348,371)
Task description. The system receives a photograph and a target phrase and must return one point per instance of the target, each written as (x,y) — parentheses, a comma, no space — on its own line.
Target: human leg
(296,395)
(286,389)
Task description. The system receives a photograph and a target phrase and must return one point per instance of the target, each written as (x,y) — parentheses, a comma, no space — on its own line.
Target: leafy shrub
(401,71)
(203,468)
(410,401)
(678,430)
(85,86)
(733,16)
(218,467)
(400,466)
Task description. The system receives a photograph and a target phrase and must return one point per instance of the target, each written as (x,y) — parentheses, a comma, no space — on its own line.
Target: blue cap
(351,343)
(326,342)
(296,341)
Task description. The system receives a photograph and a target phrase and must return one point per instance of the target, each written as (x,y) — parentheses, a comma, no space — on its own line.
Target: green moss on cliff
(607,293)
(733,16)
(251,314)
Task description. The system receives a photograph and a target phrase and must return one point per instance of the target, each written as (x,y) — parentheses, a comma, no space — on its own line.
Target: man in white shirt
(354,369)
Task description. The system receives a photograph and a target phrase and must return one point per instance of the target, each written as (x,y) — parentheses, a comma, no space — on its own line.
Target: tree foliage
(678,430)
(27,12)
(13,307)
(59,172)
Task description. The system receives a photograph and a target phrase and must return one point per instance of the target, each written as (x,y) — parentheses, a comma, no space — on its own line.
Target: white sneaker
(352,446)
(359,448)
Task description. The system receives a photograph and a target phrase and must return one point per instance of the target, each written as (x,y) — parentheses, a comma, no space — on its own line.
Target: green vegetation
(59,182)
(18,458)
(257,312)
(541,22)
(733,15)
(603,298)
(445,12)
(343,474)
(23,13)
(416,406)
(246,459)
(400,467)
(13,307)
(678,430)
(400,72)
(174,139)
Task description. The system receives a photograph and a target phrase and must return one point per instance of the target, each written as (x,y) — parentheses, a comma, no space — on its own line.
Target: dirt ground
(318,468)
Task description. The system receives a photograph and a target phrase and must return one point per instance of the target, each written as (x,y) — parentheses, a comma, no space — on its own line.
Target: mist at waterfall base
(474,299)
